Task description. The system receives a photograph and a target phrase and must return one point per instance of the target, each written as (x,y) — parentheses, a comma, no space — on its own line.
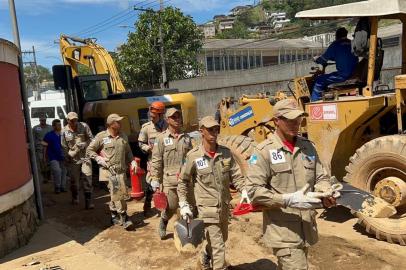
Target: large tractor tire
(379,167)
(241,147)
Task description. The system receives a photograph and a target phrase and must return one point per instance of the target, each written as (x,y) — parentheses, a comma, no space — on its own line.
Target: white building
(278,19)
(208,29)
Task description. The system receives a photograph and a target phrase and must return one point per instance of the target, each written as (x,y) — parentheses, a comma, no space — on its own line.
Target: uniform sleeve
(156,169)
(88,133)
(64,145)
(143,140)
(237,177)
(127,151)
(186,176)
(257,182)
(322,178)
(94,146)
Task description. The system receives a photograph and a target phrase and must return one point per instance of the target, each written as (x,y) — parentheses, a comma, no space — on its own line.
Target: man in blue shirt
(52,143)
(340,52)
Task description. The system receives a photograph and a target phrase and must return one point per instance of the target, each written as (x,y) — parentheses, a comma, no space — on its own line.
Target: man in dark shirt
(340,52)
(52,143)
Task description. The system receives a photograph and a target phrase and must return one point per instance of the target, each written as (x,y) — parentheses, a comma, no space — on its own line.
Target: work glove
(244,196)
(134,166)
(72,153)
(185,211)
(300,200)
(101,161)
(155,185)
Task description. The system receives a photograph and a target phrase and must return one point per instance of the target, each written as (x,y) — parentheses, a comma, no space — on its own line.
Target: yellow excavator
(359,126)
(101,93)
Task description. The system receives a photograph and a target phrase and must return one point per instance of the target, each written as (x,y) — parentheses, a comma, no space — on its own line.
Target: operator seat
(359,77)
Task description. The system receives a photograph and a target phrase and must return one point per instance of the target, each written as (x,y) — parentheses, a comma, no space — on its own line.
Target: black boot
(88,200)
(115,219)
(162,228)
(148,198)
(126,222)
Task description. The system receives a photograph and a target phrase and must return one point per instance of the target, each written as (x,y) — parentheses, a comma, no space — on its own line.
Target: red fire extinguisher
(136,177)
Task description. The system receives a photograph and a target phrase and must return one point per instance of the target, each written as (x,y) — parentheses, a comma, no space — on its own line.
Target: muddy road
(342,244)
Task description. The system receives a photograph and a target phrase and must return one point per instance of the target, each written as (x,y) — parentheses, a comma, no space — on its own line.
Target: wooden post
(367,91)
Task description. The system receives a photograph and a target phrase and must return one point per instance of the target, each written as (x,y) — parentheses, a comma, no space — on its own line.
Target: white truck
(51,109)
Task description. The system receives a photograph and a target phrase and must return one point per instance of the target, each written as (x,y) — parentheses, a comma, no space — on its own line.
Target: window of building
(218,63)
(252,62)
(231,62)
(209,61)
(238,62)
(258,60)
(245,62)
(38,112)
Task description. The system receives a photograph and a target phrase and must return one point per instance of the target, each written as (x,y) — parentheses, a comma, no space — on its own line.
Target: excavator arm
(87,52)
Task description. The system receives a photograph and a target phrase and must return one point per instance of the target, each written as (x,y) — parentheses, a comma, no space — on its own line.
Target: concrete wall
(209,90)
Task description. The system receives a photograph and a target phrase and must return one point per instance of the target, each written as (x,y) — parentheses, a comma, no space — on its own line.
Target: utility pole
(161,45)
(161,41)
(34,71)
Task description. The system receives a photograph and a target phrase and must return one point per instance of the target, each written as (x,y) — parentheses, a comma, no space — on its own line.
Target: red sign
(323,112)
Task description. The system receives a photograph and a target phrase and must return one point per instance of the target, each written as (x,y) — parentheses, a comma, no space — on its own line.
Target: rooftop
(214,44)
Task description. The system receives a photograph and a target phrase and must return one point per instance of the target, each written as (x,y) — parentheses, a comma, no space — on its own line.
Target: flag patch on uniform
(253,159)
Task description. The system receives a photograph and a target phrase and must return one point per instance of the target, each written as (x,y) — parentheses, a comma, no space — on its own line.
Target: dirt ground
(342,245)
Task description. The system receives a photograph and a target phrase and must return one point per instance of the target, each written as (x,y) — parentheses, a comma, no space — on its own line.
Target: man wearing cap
(39,132)
(111,150)
(281,171)
(168,154)
(149,131)
(209,168)
(76,136)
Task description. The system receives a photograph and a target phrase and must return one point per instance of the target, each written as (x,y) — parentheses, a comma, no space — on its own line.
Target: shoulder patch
(253,159)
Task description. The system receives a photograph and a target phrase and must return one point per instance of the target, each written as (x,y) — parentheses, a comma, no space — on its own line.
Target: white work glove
(101,161)
(72,153)
(155,185)
(134,166)
(185,211)
(299,200)
(82,145)
(244,196)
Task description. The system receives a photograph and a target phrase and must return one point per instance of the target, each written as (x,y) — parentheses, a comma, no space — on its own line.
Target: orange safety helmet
(157,107)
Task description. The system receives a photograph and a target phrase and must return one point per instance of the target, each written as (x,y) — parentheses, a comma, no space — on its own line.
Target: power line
(110,24)
(106,21)
(108,27)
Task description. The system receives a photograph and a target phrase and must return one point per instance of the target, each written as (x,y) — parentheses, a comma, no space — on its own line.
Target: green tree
(239,30)
(31,77)
(138,60)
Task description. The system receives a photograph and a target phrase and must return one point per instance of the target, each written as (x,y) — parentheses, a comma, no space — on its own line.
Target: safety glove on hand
(185,211)
(155,185)
(300,200)
(101,161)
(134,166)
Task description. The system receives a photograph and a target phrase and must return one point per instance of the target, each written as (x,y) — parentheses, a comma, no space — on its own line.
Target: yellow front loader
(358,128)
